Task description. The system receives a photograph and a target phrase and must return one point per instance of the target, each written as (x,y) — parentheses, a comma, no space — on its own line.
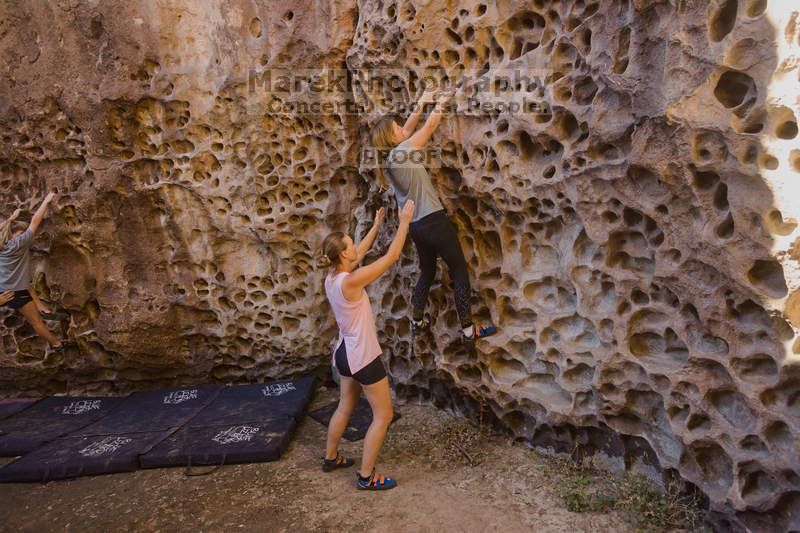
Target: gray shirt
(411,180)
(15,263)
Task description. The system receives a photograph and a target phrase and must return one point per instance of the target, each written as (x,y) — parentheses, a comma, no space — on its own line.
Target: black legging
(434,235)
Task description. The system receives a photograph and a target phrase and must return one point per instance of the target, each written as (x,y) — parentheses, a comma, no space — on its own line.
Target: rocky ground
(511,489)
(634,235)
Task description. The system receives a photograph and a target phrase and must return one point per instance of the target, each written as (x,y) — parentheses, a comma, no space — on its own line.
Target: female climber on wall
(357,355)
(15,276)
(434,235)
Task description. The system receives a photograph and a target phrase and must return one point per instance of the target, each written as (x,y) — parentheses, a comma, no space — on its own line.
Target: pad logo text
(235,434)
(104,447)
(277,389)
(180,396)
(81,406)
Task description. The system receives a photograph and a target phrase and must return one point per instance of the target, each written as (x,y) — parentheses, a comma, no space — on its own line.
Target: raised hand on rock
(429,95)
(446,94)
(379,216)
(407,212)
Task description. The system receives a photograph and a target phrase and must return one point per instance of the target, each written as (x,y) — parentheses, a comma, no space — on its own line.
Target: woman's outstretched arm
(366,243)
(413,118)
(39,215)
(361,277)
(421,137)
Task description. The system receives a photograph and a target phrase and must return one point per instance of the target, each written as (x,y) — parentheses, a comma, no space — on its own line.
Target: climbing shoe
(478,332)
(54,349)
(374,482)
(420,326)
(339,462)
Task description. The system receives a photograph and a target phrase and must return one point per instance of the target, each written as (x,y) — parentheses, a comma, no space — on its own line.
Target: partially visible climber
(433,233)
(15,275)
(357,353)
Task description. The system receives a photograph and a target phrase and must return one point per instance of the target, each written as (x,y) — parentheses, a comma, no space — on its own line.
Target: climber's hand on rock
(6,297)
(379,217)
(428,95)
(446,94)
(442,103)
(407,212)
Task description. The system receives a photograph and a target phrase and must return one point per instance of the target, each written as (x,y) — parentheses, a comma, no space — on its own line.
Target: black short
(370,374)
(19,300)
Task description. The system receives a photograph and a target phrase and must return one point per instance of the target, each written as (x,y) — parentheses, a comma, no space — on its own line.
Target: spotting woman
(357,352)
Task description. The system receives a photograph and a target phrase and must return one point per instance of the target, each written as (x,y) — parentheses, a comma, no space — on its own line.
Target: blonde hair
(332,246)
(6,232)
(382,133)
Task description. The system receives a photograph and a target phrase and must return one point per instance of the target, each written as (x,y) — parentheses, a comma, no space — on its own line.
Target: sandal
(374,482)
(478,332)
(339,462)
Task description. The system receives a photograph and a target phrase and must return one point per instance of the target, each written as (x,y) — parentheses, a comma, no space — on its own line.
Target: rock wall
(637,245)
(181,243)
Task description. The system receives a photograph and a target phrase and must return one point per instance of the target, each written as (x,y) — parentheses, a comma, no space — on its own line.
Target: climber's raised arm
(421,137)
(411,122)
(363,276)
(39,215)
(366,243)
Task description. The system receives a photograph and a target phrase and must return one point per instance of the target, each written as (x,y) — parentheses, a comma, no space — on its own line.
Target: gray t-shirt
(15,263)
(411,180)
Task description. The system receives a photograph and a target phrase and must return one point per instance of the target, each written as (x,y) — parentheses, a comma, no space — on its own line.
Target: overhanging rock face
(637,243)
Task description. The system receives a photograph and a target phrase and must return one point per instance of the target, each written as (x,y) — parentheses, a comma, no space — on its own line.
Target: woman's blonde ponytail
(382,134)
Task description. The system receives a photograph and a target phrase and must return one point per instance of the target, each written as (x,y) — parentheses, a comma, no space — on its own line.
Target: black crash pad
(240,403)
(69,457)
(49,419)
(359,421)
(153,410)
(15,405)
(244,423)
(240,442)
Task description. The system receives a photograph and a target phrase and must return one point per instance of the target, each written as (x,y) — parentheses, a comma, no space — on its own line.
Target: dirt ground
(511,489)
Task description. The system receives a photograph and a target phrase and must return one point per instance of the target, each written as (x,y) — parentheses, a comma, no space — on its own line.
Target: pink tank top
(356,324)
